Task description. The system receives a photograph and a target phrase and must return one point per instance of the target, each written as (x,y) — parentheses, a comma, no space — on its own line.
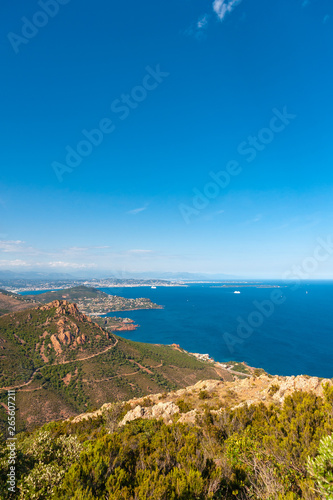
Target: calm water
(296,338)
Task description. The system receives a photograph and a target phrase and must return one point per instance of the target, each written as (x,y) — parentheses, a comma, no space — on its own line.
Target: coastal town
(25,285)
(90,301)
(104,305)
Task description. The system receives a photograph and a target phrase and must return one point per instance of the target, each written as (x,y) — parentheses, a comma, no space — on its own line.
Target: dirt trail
(57,364)
(111,378)
(142,367)
(32,390)
(239,373)
(87,357)
(158,366)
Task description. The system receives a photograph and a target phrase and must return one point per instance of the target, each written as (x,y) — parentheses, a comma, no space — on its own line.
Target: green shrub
(273,389)
(184,406)
(204,394)
(321,467)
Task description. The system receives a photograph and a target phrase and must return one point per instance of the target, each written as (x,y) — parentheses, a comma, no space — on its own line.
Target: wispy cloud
(326,19)
(301,223)
(254,220)
(198,29)
(139,252)
(10,245)
(203,21)
(305,3)
(83,250)
(17,247)
(19,263)
(213,215)
(25,256)
(137,210)
(13,263)
(223,7)
(68,265)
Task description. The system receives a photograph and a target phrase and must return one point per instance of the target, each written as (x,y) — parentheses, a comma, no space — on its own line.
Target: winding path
(110,378)
(57,364)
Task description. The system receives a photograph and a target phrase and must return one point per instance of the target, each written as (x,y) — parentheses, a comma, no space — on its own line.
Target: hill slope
(71,294)
(207,441)
(61,363)
(93,301)
(11,302)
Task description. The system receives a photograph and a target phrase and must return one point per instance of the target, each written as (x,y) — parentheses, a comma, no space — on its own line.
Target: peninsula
(94,302)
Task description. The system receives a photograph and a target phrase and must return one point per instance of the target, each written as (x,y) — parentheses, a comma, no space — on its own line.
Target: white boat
(236,291)
(154,287)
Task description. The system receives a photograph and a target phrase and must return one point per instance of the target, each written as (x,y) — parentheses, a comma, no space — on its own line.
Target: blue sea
(286,330)
(293,337)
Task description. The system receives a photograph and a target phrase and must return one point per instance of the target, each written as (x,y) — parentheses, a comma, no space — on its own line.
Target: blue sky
(179,91)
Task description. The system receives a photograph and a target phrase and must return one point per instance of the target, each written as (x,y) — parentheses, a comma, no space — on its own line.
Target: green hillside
(71,294)
(95,302)
(62,363)
(161,424)
(272,451)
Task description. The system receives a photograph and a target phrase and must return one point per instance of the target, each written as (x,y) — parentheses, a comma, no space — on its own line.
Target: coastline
(240,369)
(23,290)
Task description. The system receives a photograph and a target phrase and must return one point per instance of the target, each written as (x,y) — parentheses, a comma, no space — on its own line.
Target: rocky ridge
(187,404)
(68,333)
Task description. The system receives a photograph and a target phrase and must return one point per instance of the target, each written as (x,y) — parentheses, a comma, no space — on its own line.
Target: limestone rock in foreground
(161,410)
(263,389)
(189,417)
(288,385)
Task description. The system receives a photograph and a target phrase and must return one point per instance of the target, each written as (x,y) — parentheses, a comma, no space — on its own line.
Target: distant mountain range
(34,275)
(186,276)
(28,275)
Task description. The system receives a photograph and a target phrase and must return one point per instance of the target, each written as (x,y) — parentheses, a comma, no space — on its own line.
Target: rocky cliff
(190,403)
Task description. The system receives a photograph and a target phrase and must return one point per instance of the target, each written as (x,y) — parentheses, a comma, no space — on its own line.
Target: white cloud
(25,256)
(139,252)
(17,263)
(17,247)
(222,7)
(71,265)
(198,29)
(137,210)
(13,263)
(80,250)
(11,246)
(203,21)
(212,215)
(254,220)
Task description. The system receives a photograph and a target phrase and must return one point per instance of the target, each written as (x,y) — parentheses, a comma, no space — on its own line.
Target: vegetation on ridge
(11,302)
(60,361)
(274,452)
(211,444)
